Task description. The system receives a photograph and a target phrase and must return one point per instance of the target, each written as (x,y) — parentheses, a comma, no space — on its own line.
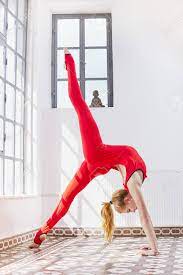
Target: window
(13,27)
(89,39)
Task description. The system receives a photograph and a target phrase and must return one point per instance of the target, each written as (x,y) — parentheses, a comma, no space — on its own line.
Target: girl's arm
(135,191)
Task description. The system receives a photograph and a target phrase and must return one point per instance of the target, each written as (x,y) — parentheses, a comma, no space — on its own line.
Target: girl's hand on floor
(148,252)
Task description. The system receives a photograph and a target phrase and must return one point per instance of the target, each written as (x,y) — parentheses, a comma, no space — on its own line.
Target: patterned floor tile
(93,256)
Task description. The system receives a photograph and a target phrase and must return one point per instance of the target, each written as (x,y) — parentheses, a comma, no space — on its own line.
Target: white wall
(147,112)
(20,214)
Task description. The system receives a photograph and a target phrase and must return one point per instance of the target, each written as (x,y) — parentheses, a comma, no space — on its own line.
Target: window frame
(6,46)
(81,48)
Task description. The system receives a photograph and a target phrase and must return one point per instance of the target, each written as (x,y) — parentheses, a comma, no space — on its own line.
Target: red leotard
(99,157)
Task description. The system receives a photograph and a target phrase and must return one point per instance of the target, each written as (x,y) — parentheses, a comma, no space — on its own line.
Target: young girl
(99,159)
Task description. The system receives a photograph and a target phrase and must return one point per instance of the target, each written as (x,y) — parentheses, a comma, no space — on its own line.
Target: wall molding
(174,231)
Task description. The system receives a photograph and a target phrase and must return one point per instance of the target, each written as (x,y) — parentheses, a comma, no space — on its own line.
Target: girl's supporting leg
(78,183)
(90,134)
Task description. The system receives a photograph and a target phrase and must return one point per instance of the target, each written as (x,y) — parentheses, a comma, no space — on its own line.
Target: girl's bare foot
(145,247)
(35,245)
(66,51)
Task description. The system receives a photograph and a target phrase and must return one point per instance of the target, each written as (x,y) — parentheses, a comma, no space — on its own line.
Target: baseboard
(6,243)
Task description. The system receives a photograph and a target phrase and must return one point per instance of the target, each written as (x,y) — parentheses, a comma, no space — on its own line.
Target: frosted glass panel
(10,68)
(95,32)
(1,97)
(68,33)
(63,100)
(101,86)
(18,177)
(9,143)
(11,31)
(19,107)
(10,102)
(2,18)
(96,63)
(1,176)
(8,177)
(2,65)
(20,39)
(1,135)
(61,71)
(20,73)
(21,10)
(18,142)
(12,4)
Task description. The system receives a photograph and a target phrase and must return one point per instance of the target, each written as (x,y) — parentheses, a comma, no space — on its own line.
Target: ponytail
(107,220)
(107,212)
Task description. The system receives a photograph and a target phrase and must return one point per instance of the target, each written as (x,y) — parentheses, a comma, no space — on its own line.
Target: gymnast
(99,159)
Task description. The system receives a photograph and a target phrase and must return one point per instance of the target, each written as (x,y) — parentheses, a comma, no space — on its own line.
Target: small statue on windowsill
(96,101)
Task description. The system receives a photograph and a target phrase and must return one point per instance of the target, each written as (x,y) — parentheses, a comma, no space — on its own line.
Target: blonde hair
(108,215)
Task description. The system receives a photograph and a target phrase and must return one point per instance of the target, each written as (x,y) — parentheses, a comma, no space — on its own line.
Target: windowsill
(91,108)
(18,197)
(12,197)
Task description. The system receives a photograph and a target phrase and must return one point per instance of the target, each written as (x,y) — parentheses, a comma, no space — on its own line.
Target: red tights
(91,139)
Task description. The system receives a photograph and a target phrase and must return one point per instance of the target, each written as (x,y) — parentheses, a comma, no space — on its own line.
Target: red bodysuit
(99,157)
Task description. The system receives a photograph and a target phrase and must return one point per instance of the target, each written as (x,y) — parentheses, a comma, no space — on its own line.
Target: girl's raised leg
(90,134)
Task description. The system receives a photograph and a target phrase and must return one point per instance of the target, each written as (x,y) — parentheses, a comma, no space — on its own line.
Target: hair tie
(110,202)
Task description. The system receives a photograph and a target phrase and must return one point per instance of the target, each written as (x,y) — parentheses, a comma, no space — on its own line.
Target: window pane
(19,107)
(12,4)
(28,116)
(21,10)
(1,97)
(18,141)
(34,96)
(101,87)
(20,73)
(10,68)
(34,124)
(11,32)
(2,18)
(61,71)
(9,143)
(8,177)
(20,40)
(28,145)
(2,65)
(1,135)
(10,102)
(68,33)
(1,176)
(96,63)
(63,100)
(35,149)
(95,32)
(18,177)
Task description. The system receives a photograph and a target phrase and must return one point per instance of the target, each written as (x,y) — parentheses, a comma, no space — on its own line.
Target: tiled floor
(89,256)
